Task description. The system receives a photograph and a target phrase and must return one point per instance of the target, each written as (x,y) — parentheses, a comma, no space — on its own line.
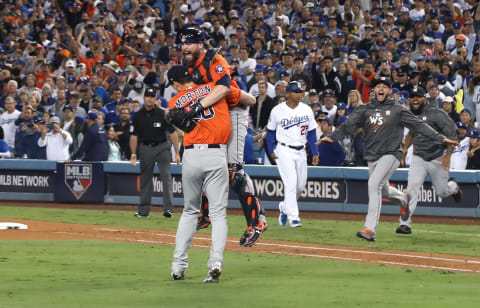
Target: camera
(50,125)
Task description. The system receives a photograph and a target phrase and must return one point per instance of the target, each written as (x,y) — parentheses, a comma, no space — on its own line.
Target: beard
(190,61)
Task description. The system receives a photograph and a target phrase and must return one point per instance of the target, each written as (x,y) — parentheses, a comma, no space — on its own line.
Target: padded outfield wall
(328,189)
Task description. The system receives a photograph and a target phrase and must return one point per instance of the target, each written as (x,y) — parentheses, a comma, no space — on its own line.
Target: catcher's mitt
(177,117)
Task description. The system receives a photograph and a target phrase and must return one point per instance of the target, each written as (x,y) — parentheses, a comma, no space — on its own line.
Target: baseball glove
(177,117)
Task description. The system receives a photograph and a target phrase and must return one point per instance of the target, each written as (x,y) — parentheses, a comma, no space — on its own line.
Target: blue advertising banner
(26,181)
(79,182)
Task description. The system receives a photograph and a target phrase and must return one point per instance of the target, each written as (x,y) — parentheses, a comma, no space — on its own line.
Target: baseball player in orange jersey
(204,168)
(208,66)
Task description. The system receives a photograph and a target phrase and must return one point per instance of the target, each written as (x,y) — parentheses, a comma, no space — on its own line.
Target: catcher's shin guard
(203,219)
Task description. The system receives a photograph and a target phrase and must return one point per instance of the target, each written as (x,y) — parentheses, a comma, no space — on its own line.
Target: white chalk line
(449,233)
(333,249)
(301,254)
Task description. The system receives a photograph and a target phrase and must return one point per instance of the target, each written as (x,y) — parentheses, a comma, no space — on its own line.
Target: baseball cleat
(252,235)
(295,223)
(140,216)
(405,210)
(366,234)
(403,229)
(458,195)
(203,222)
(282,219)
(168,213)
(214,273)
(178,276)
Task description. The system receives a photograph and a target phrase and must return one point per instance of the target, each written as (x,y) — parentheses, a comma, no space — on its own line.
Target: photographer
(56,140)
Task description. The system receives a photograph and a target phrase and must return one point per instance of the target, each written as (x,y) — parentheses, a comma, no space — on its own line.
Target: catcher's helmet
(192,35)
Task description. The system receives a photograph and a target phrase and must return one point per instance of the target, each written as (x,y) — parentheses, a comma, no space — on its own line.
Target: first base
(12,225)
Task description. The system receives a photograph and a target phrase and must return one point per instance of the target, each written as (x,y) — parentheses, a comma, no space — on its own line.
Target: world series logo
(78,178)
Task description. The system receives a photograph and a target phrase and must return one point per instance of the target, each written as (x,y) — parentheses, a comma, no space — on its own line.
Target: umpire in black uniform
(150,136)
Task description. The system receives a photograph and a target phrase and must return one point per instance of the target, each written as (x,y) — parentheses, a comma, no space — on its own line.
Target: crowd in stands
(63,60)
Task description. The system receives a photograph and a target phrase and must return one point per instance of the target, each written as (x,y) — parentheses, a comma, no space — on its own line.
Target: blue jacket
(331,154)
(94,145)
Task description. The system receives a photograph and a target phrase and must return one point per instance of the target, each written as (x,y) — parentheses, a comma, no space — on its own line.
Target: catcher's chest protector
(203,69)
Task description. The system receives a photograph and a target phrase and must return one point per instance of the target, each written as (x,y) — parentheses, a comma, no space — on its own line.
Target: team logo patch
(424,118)
(78,178)
(219,69)
(387,112)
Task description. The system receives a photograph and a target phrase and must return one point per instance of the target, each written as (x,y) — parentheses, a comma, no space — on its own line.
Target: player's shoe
(403,229)
(366,234)
(252,234)
(203,222)
(458,195)
(295,223)
(138,215)
(168,213)
(178,275)
(282,219)
(214,273)
(405,209)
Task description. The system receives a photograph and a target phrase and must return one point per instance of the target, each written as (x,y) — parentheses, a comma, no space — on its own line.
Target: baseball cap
(294,86)
(192,35)
(460,124)
(344,48)
(55,120)
(39,120)
(474,134)
(341,105)
(70,63)
(92,116)
(68,107)
(457,25)
(176,73)
(383,80)
(71,79)
(460,37)
(259,68)
(395,91)
(312,92)
(328,92)
(80,120)
(417,91)
(284,74)
(448,99)
(149,92)
(441,79)
(341,119)
(329,121)
(466,110)
(97,98)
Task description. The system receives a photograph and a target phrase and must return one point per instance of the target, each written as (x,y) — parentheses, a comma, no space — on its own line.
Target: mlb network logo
(78,178)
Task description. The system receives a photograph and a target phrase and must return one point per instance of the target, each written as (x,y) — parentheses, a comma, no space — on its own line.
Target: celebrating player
(432,158)
(292,124)
(383,121)
(204,168)
(206,66)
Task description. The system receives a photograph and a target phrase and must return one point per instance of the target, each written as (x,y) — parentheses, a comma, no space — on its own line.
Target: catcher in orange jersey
(204,169)
(207,66)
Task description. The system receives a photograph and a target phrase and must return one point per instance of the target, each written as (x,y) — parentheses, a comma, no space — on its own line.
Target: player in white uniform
(292,124)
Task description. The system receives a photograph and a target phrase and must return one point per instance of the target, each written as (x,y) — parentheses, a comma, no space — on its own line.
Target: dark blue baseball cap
(341,105)
(192,35)
(474,134)
(294,86)
(460,124)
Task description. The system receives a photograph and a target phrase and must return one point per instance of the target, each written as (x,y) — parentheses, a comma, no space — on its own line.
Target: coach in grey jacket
(429,157)
(383,121)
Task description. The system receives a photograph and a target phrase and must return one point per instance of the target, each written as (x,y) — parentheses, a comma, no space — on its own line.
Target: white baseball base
(12,225)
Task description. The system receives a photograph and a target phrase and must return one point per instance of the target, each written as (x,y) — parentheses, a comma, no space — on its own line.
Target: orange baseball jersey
(214,126)
(218,67)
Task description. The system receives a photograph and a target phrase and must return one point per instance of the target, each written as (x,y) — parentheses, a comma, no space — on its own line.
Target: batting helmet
(192,35)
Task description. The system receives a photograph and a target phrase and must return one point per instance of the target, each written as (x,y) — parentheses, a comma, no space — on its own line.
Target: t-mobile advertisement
(357,193)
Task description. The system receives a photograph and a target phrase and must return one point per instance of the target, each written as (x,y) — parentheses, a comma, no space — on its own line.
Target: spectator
(12,87)
(7,122)
(56,140)
(448,105)
(329,104)
(122,131)
(473,153)
(354,100)
(364,79)
(114,153)
(330,154)
(95,145)
(458,160)
(4,148)
(260,112)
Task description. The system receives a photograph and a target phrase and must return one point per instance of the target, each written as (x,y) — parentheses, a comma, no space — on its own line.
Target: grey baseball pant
(204,169)
(419,168)
(159,154)
(380,172)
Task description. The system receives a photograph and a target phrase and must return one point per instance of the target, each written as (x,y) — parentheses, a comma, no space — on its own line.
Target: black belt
(151,144)
(210,146)
(298,148)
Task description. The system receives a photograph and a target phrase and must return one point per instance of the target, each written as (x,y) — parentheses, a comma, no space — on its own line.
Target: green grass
(449,239)
(105,274)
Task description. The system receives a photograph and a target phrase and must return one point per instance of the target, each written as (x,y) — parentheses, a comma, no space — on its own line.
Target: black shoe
(403,229)
(168,213)
(140,216)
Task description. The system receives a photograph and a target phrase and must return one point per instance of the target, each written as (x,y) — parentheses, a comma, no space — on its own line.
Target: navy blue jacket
(94,145)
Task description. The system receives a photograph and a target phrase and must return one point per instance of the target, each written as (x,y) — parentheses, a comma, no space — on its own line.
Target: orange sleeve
(219,68)
(233,97)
